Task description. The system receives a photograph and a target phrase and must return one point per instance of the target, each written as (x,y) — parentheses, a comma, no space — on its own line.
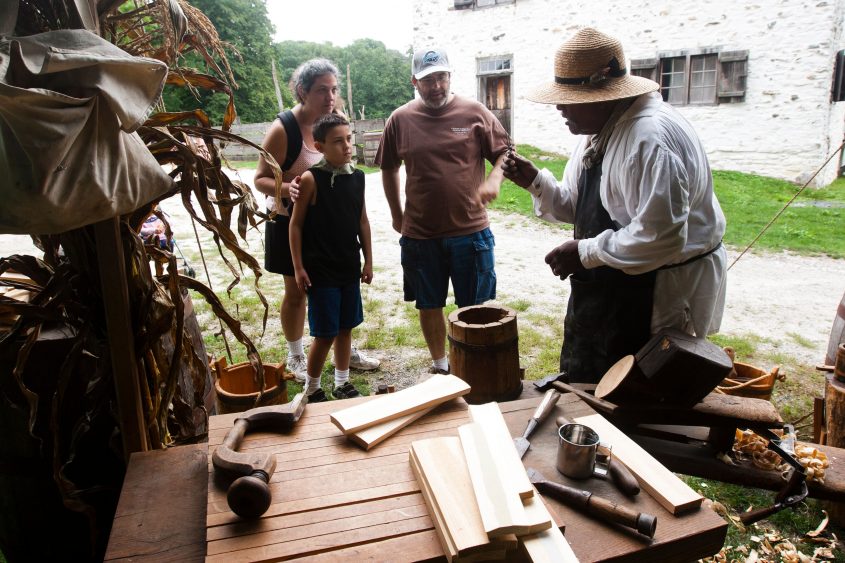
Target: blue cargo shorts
(429,264)
(332,309)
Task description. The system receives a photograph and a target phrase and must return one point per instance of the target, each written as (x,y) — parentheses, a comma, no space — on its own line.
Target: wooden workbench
(332,500)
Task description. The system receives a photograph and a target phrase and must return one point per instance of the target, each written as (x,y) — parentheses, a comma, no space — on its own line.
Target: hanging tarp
(70,102)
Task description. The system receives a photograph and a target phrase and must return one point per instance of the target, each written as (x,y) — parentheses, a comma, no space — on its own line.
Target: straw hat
(590,67)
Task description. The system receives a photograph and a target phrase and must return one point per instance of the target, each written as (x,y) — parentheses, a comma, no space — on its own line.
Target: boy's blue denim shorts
(468,260)
(332,309)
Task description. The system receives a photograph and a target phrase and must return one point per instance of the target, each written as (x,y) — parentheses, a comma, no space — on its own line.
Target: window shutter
(837,93)
(646,68)
(463,4)
(732,76)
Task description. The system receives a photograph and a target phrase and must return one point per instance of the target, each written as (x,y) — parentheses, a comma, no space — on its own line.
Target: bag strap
(294,138)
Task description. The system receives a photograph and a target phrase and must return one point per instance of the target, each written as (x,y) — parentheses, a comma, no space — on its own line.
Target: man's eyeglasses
(432,79)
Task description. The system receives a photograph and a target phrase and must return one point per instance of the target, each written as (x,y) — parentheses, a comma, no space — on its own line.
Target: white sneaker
(298,366)
(358,360)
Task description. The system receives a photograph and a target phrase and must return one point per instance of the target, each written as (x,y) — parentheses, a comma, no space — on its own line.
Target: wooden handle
(236,434)
(609,511)
(623,478)
(546,406)
(599,507)
(756,515)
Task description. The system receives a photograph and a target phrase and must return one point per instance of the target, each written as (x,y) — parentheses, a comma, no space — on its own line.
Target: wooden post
(118,323)
(276,86)
(349,93)
(834,403)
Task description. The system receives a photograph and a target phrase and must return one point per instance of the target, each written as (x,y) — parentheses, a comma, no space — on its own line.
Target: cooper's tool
(601,508)
(545,383)
(249,496)
(795,489)
(545,408)
(616,470)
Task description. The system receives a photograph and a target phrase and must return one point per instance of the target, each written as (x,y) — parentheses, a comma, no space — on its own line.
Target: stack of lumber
(480,499)
(371,423)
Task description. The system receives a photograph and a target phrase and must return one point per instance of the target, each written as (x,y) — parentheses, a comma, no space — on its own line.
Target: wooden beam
(499,502)
(444,480)
(113,283)
(374,435)
(672,493)
(499,440)
(433,391)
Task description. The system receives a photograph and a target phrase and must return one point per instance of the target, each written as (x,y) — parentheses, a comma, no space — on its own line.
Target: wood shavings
(749,445)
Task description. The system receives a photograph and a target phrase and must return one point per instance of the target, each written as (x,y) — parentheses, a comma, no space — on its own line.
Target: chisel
(543,410)
(599,507)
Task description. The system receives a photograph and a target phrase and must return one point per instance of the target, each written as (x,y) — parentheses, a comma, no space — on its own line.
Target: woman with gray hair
(290,141)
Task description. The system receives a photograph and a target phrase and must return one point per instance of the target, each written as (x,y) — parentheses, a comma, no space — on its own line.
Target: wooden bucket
(484,352)
(750,381)
(237,390)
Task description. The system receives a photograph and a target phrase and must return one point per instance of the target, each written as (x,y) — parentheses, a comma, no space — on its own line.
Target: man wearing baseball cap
(647,250)
(443,140)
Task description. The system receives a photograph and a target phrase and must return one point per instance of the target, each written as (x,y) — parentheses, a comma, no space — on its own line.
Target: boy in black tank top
(329,230)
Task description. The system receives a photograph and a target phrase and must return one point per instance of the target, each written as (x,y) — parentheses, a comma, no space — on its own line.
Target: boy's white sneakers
(298,366)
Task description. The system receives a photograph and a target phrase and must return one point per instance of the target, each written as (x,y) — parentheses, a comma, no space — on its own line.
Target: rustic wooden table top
(333,500)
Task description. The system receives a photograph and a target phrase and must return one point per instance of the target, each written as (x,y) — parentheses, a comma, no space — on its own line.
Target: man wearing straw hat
(443,140)
(647,251)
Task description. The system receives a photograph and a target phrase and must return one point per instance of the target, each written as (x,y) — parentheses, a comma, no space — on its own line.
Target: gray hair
(308,72)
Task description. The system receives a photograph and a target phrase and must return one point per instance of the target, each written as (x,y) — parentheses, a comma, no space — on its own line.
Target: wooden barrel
(237,389)
(484,352)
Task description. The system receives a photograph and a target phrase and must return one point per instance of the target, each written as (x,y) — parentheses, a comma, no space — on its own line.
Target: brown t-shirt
(444,151)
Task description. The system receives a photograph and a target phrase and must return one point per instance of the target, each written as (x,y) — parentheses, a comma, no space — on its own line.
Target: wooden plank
(322,527)
(672,493)
(548,546)
(499,440)
(442,473)
(374,435)
(174,480)
(422,547)
(433,391)
(500,504)
(321,543)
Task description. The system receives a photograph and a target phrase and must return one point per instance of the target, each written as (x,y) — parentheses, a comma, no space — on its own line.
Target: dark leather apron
(609,313)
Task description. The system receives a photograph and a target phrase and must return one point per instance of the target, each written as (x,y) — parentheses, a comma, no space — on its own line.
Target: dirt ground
(788,301)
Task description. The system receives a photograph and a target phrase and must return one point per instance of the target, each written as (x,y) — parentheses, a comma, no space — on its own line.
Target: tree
(381,77)
(245,25)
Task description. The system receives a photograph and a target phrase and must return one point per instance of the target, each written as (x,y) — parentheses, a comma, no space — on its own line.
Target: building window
(837,93)
(697,78)
(470,4)
(494,87)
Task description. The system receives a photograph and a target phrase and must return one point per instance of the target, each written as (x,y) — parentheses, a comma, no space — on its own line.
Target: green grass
(811,225)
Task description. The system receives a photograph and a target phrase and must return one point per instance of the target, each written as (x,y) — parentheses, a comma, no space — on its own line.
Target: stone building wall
(785,127)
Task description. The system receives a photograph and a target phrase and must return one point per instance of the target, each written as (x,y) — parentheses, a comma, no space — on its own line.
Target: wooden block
(444,480)
(672,493)
(499,502)
(498,437)
(374,435)
(433,391)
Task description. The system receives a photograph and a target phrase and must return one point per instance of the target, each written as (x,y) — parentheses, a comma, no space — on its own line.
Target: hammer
(249,495)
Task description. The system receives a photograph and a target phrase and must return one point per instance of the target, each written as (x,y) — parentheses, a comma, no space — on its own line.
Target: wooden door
(496,90)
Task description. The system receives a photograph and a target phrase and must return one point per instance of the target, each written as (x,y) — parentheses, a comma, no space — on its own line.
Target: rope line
(788,203)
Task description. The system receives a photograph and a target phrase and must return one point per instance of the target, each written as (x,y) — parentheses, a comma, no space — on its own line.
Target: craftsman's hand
(367,272)
(293,189)
(303,282)
(519,170)
(564,259)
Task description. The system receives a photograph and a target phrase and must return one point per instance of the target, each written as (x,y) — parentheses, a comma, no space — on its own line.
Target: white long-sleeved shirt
(656,183)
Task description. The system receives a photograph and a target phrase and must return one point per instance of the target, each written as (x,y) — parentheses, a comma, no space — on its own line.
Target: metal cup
(578,454)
